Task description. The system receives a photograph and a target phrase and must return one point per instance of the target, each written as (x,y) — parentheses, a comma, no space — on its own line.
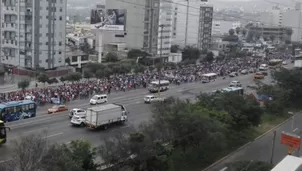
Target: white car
(76,111)
(98,99)
(235,84)
(152,98)
(78,120)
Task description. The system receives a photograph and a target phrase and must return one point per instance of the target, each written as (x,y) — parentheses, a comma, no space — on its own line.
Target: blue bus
(17,110)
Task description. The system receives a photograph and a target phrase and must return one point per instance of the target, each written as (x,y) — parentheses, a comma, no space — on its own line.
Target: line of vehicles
(100,115)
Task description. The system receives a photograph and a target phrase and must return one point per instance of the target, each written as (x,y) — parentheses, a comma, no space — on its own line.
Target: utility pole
(187,22)
(273,147)
(160,56)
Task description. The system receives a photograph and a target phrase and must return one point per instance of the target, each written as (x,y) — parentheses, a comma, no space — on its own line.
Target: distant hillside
(252,5)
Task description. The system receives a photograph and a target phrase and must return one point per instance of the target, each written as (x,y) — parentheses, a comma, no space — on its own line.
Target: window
(60,18)
(61,9)
(46,43)
(74,59)
(60,43)
(60,52)
(84,58)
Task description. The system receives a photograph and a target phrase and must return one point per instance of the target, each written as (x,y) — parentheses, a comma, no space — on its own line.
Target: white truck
(105,115)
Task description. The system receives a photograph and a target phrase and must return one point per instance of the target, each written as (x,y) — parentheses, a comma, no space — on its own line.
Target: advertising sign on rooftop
(108,19)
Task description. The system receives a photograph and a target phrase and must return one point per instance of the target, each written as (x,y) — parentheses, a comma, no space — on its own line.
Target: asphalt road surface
(57,128)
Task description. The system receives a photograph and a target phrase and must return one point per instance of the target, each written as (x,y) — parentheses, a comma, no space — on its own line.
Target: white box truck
(105,115)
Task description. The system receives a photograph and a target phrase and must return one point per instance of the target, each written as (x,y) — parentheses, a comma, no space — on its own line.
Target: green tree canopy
(190,53)
(73,76)
(23,84)
(134,53)
(174,48)
(43,78)
(111,57)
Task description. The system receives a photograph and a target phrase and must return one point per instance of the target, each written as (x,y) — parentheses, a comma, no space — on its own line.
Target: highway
(261,148)
(57,129)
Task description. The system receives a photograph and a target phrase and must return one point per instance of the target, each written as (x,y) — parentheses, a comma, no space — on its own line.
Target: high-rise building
(205,26)
(158,27)
(192,23)
(148,25)
(32,33)
(272,17)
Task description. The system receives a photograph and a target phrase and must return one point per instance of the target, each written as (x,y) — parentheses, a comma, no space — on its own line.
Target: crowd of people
(85,89)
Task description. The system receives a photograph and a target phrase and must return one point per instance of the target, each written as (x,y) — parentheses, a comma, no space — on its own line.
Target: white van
(97,99)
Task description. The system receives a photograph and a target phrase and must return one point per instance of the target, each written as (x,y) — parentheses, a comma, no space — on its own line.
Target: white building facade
(33,33)
(192,23)
(285,18)
(220,27)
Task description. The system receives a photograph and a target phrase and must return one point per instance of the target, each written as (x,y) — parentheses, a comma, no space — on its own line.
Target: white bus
(206,78)
(161,85)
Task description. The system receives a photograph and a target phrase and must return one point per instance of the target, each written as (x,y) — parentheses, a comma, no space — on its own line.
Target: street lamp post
(293,120)
(160,56)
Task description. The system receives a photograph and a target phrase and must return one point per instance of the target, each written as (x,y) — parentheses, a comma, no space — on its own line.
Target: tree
(244,111)
(52,81)
(134,53)
(139,69)
(93,67)
(34,152)
(111,57)
(209,57)
(238,29)
(190,53)
(43,78)
(257,35)
(73,76)
(231,32)
(244,32)
(23,84)
(67,61)
(272,37)
(174,48)
(87,74)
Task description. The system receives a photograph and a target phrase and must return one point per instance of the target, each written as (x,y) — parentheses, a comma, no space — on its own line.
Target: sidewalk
(6,88)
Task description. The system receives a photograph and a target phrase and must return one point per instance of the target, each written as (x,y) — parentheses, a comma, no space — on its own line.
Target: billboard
(108,19)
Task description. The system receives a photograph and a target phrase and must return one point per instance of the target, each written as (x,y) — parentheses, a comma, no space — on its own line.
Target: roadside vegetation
(181,135)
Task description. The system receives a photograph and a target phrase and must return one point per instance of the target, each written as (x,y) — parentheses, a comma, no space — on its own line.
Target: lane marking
(295,129)
(53,135)
(224,169)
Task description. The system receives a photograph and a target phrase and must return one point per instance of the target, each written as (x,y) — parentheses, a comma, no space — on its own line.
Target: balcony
(10,10)
(9,43)
(9,26)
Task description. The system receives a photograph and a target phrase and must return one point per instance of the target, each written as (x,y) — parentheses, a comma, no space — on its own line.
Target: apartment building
(158,27)
(33,33)
(205,26)
(192,23)
(219,27)
(291,18)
